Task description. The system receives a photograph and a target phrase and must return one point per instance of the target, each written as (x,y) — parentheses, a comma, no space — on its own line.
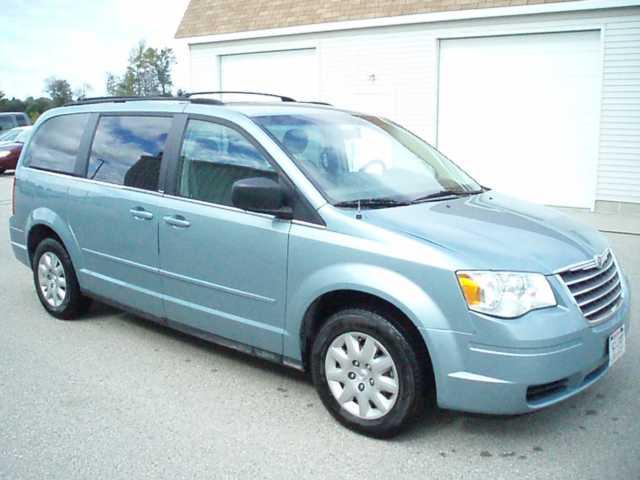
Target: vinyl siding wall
(404,61)
(619,158)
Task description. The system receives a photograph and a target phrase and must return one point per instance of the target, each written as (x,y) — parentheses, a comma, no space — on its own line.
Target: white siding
(263,72)
(619,166)
(204,69)
(393,71)
(390,73)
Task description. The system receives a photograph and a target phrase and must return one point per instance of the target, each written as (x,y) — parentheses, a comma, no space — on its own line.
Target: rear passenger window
(55,144)
(22,120)
(213,157)
(127,150)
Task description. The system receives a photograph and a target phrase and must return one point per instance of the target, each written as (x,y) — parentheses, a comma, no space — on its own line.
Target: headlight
(5,153)
(505,294)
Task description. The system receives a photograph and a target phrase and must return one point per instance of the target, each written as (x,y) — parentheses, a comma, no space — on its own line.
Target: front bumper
(475,375)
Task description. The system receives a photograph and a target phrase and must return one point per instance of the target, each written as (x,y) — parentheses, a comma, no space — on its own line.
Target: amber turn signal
(471,290)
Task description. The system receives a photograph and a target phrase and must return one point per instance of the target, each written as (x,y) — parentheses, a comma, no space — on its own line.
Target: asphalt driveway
(113,396)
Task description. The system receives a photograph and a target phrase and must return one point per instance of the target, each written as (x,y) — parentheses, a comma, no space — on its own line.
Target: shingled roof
(209,17)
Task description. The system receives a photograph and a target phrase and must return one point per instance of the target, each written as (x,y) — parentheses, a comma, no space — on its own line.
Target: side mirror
(260,194)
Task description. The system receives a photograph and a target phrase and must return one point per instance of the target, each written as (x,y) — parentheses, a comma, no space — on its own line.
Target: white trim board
(571,6)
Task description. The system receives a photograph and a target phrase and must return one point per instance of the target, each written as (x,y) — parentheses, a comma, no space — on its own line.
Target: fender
(387,284)
(47,217)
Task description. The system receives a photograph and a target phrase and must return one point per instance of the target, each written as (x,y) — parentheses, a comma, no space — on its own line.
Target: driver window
(213,158)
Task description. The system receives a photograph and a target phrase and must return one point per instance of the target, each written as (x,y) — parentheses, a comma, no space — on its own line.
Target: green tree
(12,105)
(148,73)
(82,91)
(124,86)
(59,90)
(161,61)
(112,85)
(34,107)
(37,106)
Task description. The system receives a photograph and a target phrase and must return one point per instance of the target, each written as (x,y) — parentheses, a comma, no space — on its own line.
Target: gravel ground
(113,396)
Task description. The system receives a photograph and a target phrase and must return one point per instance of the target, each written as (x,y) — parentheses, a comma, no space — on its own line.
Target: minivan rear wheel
(367,372)
(56,282)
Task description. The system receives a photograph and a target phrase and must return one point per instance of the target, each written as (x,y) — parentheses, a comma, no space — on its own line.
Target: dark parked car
(11,148)
(9,120)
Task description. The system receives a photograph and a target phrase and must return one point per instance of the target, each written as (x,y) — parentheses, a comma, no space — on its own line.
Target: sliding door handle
(141,214)
(177,221)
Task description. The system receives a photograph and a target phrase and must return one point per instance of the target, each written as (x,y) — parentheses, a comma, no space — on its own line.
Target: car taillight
(13,196)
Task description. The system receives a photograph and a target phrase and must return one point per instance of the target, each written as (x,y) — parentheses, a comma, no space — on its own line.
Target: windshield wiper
(391,202)
(445,194)
(371,203)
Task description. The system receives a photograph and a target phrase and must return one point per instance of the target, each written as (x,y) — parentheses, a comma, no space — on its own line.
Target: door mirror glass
(260,194)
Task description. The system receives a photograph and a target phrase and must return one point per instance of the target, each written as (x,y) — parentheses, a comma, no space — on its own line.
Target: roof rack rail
(315,102)
(93,100)
(222,92)
(187,97)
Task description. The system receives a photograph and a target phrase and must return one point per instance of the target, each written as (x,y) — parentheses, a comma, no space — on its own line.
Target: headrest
(295,141)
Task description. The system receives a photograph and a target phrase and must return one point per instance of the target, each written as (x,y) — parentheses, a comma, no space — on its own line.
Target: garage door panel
(520,113)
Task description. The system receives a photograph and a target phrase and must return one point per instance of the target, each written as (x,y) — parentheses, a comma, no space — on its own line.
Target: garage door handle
(141,214)
(177,221)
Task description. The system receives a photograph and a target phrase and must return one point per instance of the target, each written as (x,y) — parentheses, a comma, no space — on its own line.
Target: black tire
(2,170)
(74,303)
(411,364)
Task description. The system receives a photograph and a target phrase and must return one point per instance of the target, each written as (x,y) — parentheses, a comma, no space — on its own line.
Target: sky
(81,40)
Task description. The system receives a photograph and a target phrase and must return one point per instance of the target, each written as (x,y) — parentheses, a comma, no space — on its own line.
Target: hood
(495,232)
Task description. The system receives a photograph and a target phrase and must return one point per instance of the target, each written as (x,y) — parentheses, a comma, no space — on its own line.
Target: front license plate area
(617,345)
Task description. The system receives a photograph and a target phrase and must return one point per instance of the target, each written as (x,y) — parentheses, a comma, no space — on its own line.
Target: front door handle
(177,221)
(141,214)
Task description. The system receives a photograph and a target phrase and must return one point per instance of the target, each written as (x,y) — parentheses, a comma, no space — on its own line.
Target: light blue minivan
(330,241)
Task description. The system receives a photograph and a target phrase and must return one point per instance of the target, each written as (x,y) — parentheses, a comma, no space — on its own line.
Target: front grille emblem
(600,260)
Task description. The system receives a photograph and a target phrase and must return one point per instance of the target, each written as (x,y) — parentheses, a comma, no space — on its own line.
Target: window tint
(213,157)
(127,150)
(55,144)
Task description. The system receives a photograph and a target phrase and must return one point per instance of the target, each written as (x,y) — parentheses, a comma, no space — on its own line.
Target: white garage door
(292,73)
(520,113)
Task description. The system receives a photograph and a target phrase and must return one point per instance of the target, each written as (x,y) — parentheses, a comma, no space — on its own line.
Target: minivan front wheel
(56,282)
(367,373)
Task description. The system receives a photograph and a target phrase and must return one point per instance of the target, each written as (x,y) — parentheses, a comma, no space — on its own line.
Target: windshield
(356,157)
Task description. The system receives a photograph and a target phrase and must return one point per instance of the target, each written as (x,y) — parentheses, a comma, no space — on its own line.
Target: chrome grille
(596,289)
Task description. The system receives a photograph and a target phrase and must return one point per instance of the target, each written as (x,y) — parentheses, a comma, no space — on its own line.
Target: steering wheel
(371,163)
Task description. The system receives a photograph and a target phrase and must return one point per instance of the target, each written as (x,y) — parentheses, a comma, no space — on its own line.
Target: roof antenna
(359,212)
